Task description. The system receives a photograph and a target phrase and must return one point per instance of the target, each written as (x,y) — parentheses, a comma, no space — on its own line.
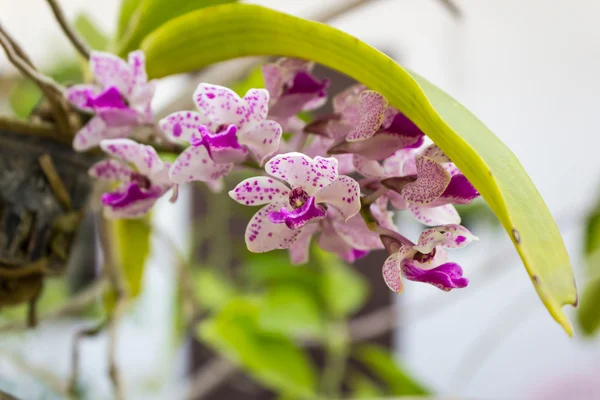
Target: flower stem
(337,348)
(77,41)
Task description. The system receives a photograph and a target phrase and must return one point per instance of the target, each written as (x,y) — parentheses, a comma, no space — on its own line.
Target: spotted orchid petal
(331,241)
(110,70)
(137,63)
(347,103)
(222,106)
(259,190)
(80,95)
(132,202)
(436,154)
(111,170)
(300,249)
(309,212)
(459,191)
(432,181)
(433,216)
(450,236)
(144,157)
(407,133)
(262,139)
(343,194)
(281,73)
(262,235)
(380,212)
(95,131)
(391,273)
(182,125)
(300,170)
(195,164)
(446,277)
(372,110)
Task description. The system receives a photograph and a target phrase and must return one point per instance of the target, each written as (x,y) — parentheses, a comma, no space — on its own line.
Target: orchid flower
(121,99)
(363,123)
(427,260)
(222,133)
(350,240)
(426,183)
(142,176)
(315,186)
(293,89)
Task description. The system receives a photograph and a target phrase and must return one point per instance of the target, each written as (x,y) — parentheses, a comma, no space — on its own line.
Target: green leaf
(253,80)
(212,289)
(363,387)
(588,315)
(343,289)
(128,8)
(91,32)
(292,311)
(382,365)
(274,268)
(24,97)
(132,246)
(592,233)
(273,360)
(201,38)
(150,14)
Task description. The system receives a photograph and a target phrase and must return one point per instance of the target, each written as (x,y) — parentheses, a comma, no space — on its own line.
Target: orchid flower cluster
(337,179)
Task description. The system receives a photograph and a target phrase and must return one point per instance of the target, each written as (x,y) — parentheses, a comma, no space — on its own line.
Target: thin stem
(337,349)
(56,183)
(211,376)
(52,90)
(369,199)
(71,33)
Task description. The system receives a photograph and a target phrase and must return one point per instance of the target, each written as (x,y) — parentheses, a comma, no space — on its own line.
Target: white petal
(343,194)
(300,170)
(262,235)
(259,190)
(261,138)
(194,164)
(434,216)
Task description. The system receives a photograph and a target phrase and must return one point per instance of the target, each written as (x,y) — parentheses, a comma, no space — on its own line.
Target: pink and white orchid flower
(426,183)
(121,99)
(222,132)
(293,89)
(142,175)
(427,260)
(315,186)
(364,123)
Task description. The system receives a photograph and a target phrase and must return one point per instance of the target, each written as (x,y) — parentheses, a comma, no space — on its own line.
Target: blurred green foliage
(588,314)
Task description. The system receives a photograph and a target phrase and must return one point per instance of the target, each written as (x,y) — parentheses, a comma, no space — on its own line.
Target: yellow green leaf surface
(220,33)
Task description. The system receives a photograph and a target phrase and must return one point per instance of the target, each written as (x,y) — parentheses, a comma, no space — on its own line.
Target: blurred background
(529,70)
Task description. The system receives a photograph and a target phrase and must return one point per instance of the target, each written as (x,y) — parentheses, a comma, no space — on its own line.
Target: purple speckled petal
(219,106)
(224,147)
(280,74)
(330,241)
(459,191)
(297,218)
(451,236)
(403,127)
(182,125)
(195,164)
(259,190)
(109,106)
(111,170)
(391,273)
(110,70)
(384,218)
(144,157)
(80,95)
(432,181)
(372,110)
(262,139)
(141,100)
(122,208)
(137,63)
(257,106)
(343,194)
(299,250)
(302,171)
(108,98)
(436,154)
(262,235)
(433,216)
(95,131)
(446,277)
(348,99)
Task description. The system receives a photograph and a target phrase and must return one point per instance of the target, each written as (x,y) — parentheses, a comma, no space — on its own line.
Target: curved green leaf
(128,8)
(205,37)
(150,14)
